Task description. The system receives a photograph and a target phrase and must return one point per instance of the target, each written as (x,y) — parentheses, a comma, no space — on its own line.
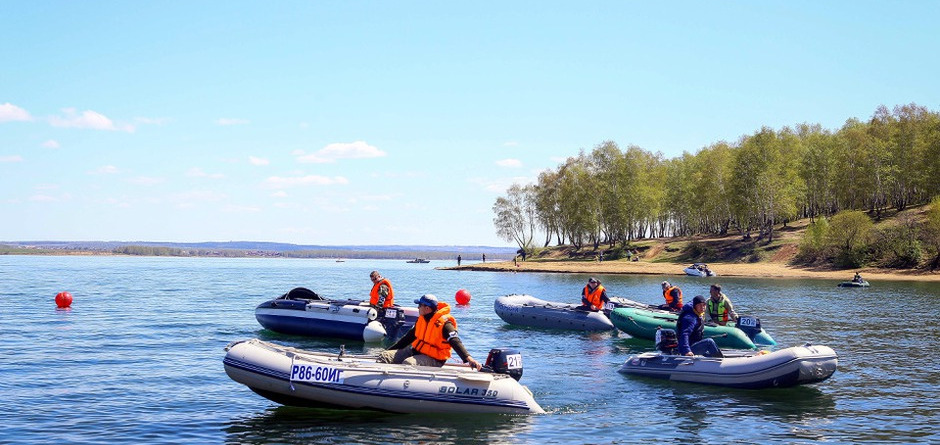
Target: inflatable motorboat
(699,270)
(526,310)
(746,333)
(295,377)
(418,261)
(854,283)
(302,312)
(798,365)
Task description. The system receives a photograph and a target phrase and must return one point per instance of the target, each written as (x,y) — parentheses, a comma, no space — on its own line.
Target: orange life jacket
(429,335)
(389,300)
(594,298)
(667,294)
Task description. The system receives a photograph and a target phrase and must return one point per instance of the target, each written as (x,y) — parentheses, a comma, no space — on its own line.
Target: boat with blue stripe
(296,377)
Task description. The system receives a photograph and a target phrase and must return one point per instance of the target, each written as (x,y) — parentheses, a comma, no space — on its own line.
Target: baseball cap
(698,299)
(428,300)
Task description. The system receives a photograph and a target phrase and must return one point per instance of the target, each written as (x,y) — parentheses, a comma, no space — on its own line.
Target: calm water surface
(138,358)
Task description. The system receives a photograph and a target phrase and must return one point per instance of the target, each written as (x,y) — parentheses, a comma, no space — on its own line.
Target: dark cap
(428,300)
(593,280)
(698,299)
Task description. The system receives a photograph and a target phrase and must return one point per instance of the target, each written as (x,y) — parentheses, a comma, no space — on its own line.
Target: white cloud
(104,170)
(509,163)
(500,185)
(279,194)
(42,198)
(197,172)
(510,144)
(11,158)
(229,121)
(282,182)
(51,143)
(146,180)
(258,161)
(332,152)
(241,209)
(87,119)
(11,113)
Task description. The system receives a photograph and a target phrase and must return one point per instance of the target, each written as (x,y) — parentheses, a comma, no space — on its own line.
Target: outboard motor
(504,361)
(666,341)
(301,293)
(750,325)
(392,319)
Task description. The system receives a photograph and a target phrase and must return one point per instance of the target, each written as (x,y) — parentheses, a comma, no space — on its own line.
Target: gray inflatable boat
(526,310)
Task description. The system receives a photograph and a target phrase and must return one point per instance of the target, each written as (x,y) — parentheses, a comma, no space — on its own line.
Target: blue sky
(400,122)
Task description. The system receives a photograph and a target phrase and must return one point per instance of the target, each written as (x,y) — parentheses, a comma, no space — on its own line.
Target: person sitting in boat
(673,296)
(857,278)
(430,341)
(691,331)
(594,296)
(382,294)
(719,306)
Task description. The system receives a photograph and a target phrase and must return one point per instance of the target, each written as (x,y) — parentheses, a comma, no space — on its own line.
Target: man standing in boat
(430,341)
(382,294)
(673,296)
(593,296)
(719,306)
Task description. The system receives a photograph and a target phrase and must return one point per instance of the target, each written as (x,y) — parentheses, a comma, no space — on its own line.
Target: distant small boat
(418,260)
(853,283)
(699,270)
(340,260)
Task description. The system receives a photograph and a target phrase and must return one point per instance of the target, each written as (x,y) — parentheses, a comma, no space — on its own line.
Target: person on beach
(719,307)
(430,341)
(691,331)
(382,294)
(459,259)
(673,296)
(594,296)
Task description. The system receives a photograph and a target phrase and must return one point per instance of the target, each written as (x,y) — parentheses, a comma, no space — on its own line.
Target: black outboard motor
(750,325)
(666,341)
(393,320)
(504,361)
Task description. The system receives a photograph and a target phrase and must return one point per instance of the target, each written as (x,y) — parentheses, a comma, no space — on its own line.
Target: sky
(401,122)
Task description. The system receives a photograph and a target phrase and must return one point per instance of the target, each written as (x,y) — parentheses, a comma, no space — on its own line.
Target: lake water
(138,358)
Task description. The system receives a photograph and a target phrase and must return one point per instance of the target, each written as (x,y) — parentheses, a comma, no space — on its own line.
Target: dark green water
(138,358)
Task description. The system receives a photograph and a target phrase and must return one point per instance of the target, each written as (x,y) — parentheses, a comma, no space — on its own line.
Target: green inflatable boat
(642,323)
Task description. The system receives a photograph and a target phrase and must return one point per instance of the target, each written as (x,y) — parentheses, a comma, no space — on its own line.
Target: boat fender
(504,361)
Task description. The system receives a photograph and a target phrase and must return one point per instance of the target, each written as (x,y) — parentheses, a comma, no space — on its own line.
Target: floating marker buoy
(63,299)
(462,297)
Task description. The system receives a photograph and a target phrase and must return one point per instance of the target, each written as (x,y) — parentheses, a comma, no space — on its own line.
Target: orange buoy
(462,297)
(63,299)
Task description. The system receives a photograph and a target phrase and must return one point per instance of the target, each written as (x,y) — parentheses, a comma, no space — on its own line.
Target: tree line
(612,195)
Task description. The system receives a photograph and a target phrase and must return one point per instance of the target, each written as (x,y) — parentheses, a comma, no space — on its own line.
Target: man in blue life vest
(691,331)
(430,341)
(719,306)
(593,296)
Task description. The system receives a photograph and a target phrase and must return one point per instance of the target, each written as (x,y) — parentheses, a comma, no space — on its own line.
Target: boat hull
(526,310)
(348,319)
(357,382)
(799,365)
(854,284)
(642,323)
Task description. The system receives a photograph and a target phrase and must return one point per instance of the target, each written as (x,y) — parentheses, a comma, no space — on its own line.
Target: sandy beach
(754,270)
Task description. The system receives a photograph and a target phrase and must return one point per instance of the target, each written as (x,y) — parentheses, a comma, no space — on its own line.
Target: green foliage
(849,234)
(813,244)
(931,232)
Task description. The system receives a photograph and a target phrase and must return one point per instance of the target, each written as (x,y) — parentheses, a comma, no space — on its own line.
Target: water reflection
(293,425)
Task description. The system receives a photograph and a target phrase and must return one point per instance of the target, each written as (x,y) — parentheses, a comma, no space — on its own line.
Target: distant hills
(253,249)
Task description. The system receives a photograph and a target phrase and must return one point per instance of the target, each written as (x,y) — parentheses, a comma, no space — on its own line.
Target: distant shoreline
(746,270)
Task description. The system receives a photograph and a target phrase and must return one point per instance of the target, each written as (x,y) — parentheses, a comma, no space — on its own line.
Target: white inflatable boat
(295,377)
(798,365)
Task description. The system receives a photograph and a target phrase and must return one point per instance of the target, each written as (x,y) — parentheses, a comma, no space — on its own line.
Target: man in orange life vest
(673,296)
(430,341)
(382,295)
(593,296)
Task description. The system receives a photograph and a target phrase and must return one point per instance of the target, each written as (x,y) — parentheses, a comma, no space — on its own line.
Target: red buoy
(462,297)
(63,299)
